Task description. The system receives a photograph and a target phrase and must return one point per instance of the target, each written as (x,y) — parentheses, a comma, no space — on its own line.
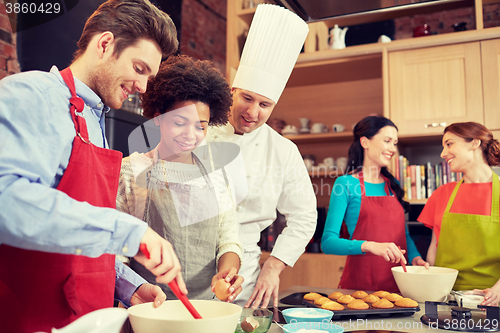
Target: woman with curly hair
(176,188)
(464,215)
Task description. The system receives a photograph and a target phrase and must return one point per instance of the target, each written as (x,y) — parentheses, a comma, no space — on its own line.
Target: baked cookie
(333,306)
(358,304)
(406,303)
(383,303)
(312,296)
(381,293)
(359,294)
(345,299)
(370,298)
(393,297)
(322,300)
(335,295)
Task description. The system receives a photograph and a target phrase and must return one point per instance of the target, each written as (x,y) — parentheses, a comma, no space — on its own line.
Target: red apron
(41,290)
(381,219)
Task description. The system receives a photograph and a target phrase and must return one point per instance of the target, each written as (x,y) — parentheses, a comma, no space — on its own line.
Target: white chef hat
(273,44)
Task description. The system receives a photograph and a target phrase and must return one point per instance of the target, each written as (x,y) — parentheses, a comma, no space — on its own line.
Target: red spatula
(175,289)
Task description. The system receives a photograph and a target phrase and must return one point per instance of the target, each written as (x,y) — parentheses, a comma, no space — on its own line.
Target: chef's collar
(88,95)
(230,130)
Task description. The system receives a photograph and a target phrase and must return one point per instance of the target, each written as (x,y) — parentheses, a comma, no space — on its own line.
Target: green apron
(471,244)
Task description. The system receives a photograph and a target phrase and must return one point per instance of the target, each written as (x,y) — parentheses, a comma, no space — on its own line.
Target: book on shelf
(419,181)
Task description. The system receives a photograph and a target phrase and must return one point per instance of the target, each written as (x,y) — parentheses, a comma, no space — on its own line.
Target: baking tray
(395,311)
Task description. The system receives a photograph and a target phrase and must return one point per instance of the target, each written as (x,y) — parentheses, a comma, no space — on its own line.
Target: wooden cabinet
(490,55)
(313,270)
(432,87)
(415,82)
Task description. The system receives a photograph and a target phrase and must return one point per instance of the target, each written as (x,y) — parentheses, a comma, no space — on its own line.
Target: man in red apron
(57,244)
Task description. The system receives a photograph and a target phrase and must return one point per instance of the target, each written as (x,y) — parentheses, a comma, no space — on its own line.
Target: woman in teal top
(345,203)
(370,202)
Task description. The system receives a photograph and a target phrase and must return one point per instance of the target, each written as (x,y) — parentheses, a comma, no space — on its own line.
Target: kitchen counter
(401,324)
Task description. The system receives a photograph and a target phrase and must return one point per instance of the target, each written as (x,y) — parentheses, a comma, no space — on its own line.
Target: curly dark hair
(181,78)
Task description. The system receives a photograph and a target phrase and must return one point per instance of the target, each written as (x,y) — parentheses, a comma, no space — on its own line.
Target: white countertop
(401,324)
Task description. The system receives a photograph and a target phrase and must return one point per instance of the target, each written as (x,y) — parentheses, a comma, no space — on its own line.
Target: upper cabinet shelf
(322,137)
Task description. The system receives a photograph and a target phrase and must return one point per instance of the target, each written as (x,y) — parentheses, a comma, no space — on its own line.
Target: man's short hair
(129,21)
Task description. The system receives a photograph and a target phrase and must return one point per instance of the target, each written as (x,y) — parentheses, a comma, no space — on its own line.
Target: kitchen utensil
(338,128)
(329,327)
(108,320)
(342,164)
(173,317)
(319,128)
(304,125)
(263,316)
(289,130)
(402,263)
(306,315)
(337,37)
(281,326)
(421,30)
(461,319)
(422,284)
(468,298)
(175,288)
(371,311)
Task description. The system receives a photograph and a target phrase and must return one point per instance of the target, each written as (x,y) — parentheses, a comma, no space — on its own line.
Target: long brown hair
(129,21)
(470,131)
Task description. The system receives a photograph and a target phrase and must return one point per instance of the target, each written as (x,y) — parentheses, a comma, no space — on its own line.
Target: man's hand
(267,285)
(148,293)
(232,278)
(162,260)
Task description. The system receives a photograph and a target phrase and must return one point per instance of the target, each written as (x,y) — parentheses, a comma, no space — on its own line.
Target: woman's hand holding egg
(227,285)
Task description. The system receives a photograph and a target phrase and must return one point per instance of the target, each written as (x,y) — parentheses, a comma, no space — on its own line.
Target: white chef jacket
(277,180)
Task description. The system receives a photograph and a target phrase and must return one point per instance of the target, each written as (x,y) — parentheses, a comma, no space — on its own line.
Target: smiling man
(59,230)
(276,174)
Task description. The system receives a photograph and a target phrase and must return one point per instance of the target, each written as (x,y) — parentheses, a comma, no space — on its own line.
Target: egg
(221,289)
(249,324)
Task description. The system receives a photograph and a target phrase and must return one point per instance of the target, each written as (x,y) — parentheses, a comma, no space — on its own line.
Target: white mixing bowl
(173,317)
(421,284)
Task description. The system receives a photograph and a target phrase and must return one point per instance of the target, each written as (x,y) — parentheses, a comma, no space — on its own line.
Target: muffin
(335,295)
(406,303)
(358,304)
(360,294)
(312,296)
(333,306)
(345,299)
(381,293)
(393,297)
(383,303)
(322,300)
(370,298)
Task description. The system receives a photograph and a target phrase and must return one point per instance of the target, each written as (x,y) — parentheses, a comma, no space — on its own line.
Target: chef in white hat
(276,175)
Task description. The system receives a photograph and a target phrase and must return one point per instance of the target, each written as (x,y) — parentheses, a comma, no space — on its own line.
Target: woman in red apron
(464,215)
(368,204)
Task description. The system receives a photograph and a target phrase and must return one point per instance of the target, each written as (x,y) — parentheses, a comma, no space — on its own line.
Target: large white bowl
(421,284)
(173,317)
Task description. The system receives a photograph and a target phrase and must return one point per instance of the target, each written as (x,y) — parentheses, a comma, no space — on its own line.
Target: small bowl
(316,326)
(468,299)
(294,315)
(263,316)
(421,284)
